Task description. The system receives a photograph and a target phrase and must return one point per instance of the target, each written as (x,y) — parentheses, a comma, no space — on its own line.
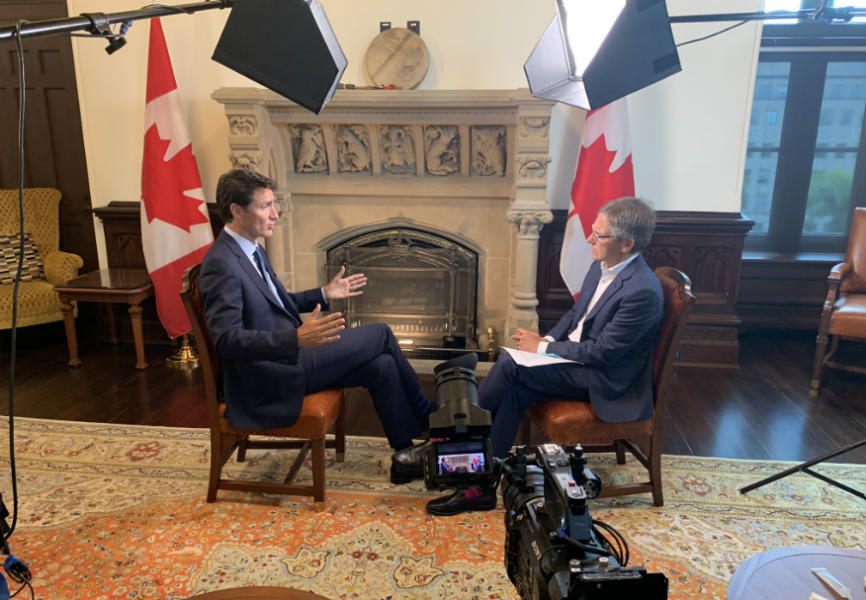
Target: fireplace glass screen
(422,285)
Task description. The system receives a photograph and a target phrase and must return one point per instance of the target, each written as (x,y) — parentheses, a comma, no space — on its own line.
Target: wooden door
(53,144)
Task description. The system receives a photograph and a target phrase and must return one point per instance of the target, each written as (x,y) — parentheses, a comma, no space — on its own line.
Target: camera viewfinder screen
(460,457)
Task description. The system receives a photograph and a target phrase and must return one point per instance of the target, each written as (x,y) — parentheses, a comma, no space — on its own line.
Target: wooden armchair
(37,301)
(320,412)
(569,423)
(844,314)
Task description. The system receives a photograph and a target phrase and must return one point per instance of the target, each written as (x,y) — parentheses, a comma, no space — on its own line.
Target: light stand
(96,23)
(804,467)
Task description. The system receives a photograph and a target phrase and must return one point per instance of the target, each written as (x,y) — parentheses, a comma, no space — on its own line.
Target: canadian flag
(604,173)
(175,230)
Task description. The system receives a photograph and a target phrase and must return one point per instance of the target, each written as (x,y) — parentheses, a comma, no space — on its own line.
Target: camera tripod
(805,468)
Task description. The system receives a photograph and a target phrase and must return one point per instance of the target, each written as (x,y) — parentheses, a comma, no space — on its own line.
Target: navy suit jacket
(616,341)
(255,337)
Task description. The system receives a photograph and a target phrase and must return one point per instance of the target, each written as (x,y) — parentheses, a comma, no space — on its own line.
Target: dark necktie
(260,263)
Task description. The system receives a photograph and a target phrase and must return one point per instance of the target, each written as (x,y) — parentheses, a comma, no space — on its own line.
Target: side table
(787,573)
(111,286)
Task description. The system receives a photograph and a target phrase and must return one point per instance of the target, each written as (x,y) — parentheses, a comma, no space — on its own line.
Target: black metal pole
(750,16)
(86,21)
(812,14)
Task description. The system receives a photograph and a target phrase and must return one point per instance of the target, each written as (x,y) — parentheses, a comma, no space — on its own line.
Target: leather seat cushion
(318,414)
(849,316)
(573,422)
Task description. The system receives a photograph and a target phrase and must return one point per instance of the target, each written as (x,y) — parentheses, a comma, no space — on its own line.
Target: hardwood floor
(761,411)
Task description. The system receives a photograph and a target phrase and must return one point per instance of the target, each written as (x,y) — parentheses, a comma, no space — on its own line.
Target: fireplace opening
(423,285)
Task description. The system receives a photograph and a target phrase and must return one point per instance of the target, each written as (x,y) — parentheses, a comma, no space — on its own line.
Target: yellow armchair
(37,301)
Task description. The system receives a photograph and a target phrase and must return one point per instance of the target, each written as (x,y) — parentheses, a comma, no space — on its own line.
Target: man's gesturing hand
(316,331)
(345,287)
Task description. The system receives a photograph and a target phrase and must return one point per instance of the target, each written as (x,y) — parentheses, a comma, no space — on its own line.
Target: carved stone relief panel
(250,160)
(488,150)
(243,125)
(533,127)
(308,149)
(398,150)
(532,166)
(442,149)
(353,149)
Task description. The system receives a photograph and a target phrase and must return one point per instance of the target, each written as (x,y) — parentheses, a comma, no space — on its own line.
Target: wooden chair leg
(242,449)
(318,456)
(620,453)
(216,465)
(655,472)
(340,435)
(820,349)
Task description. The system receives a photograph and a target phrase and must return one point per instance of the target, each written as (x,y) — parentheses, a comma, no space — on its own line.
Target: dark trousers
(509,389)
(370,357)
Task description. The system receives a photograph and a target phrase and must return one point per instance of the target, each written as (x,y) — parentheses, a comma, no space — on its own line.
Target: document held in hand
(533,359)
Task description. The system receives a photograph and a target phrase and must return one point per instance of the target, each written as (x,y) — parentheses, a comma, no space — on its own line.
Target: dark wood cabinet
(121,225)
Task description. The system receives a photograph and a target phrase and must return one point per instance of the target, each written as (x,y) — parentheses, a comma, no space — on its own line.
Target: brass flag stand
(184,358)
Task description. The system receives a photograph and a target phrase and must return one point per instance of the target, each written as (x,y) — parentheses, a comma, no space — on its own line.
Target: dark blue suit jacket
(256,338)
(616,341)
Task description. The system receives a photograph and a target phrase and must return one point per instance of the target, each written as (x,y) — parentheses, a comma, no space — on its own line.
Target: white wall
(688,132)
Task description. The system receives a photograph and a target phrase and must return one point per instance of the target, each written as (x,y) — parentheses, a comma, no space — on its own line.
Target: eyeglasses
(595,236)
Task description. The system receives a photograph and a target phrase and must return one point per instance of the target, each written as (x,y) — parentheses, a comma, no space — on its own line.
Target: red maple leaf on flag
(163,181)
(594,184)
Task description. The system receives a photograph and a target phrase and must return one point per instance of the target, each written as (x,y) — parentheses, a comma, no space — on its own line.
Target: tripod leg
(802,467)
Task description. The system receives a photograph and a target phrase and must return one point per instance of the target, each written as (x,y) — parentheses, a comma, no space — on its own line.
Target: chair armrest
(60,266)
(838,272)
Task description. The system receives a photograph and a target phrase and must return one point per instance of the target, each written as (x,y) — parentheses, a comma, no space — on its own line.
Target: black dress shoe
(459,502)
(406,464)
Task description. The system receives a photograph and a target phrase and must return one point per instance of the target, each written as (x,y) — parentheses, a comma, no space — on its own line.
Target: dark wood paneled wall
(783,291)
(706,246)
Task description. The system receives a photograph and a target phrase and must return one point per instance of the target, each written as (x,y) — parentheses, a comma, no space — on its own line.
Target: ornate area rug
(112,511)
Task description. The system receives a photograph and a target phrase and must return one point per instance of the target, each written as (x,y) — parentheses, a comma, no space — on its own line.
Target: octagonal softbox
(287,46)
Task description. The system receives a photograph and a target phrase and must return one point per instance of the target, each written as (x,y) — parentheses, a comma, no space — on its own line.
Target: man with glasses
(608,334)
(271,358)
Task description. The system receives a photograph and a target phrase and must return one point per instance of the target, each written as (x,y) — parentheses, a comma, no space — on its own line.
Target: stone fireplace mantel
(470,163)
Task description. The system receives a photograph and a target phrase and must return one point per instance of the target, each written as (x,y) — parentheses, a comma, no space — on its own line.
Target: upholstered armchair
(844,314)
(45,265)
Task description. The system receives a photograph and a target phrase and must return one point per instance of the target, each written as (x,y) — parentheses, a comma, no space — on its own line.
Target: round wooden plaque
(397,57)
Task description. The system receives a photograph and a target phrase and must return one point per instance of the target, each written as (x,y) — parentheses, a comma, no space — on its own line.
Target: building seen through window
(804,171)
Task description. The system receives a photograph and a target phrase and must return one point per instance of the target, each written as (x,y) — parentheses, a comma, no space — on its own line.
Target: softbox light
(287,46)
(596,51)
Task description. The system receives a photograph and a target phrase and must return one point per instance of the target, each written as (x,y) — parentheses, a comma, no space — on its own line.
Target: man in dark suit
(271,358)
(608,333)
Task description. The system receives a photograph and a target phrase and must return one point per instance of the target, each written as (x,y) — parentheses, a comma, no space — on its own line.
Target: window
(805,156)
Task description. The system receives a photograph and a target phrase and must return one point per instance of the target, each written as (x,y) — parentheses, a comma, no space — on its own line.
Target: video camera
(554,549)
(459,454)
